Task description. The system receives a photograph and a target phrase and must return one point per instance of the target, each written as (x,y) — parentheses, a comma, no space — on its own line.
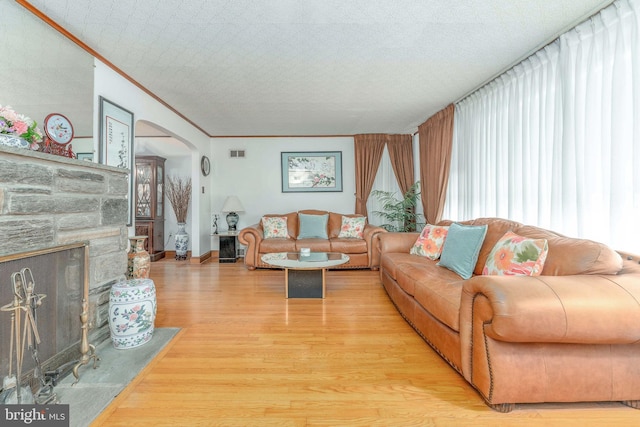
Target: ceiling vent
(236,154)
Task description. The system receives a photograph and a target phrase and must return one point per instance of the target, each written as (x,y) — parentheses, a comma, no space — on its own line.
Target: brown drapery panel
(401,154)
(368,153)
(436,140)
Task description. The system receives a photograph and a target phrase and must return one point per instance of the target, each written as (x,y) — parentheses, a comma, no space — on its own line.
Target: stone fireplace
(72,215)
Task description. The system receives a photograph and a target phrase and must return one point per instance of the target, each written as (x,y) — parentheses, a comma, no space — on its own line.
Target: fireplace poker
(19,394)
(24,394)
(9,381)
(33,301)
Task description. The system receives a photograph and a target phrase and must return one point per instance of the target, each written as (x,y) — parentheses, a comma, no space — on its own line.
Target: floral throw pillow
(274,226)
(514,255)
(352,227)
(429,243)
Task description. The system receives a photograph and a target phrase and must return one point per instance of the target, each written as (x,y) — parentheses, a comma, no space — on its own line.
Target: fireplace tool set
(25,302)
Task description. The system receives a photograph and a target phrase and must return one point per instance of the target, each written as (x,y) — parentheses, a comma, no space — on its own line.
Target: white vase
(13,141)
(182,242)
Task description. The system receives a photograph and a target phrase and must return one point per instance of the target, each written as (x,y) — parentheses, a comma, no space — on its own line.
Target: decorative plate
(58,128)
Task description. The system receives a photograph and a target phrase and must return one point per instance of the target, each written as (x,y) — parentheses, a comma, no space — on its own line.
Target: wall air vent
(237,154)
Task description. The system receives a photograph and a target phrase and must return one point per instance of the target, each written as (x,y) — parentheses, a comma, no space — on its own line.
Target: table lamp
(231,206)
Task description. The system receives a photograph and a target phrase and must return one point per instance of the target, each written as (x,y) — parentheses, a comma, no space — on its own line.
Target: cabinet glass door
(160,194)
(143,190)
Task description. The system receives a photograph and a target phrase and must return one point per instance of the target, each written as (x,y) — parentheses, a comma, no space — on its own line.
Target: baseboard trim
(194,260)
(172,254)
(200,259)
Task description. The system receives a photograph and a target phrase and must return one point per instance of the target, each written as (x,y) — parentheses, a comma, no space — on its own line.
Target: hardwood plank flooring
(246,356)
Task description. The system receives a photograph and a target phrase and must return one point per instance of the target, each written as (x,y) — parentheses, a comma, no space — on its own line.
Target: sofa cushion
(335,222)
(348,246)
(429,243)
(439,293)
(292,222)
(274,226)
(392,262)
(514,255)
(352,227)
(316,245)
(313,226)
(409,273)
(277,245)
(461,248)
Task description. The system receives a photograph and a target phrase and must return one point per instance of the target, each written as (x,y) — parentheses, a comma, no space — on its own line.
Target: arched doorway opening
(159,150)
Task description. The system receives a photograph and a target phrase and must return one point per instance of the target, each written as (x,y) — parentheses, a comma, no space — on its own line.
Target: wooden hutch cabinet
(150,203)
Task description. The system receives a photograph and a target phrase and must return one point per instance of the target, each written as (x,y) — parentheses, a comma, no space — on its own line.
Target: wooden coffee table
(305,274)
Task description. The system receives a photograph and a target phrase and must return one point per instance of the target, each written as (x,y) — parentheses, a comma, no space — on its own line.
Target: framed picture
(85,156)
(313,171)
(116,142)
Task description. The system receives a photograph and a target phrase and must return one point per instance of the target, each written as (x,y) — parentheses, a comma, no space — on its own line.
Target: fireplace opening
(60,281)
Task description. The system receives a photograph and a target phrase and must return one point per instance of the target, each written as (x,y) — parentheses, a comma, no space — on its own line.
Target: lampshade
(232,204)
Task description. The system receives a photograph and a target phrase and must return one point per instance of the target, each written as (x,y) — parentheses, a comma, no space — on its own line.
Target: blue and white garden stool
(132,312)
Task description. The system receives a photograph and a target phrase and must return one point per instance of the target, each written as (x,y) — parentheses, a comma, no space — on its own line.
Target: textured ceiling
(313,67)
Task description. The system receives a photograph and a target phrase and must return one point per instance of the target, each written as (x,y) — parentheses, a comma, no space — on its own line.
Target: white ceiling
(313,67)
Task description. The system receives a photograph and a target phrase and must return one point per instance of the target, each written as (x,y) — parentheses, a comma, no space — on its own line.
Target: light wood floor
(246,356)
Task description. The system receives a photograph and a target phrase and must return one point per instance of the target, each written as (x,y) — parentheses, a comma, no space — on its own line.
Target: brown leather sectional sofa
(571,334)
(358,250)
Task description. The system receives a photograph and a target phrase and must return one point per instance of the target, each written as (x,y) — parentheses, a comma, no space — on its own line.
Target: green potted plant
(400,214)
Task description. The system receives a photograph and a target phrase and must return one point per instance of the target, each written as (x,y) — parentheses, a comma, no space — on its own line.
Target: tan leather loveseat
(571,334)
(358,250)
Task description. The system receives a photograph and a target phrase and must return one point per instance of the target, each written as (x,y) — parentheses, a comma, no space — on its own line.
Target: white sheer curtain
(385,181)
(555,141)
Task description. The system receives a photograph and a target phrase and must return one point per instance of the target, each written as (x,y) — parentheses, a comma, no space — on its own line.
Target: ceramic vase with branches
(179,195)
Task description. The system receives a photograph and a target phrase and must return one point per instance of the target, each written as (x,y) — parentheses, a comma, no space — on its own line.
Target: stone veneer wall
(48,200)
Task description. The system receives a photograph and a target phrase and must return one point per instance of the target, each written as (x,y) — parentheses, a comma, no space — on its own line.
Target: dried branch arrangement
(179,195)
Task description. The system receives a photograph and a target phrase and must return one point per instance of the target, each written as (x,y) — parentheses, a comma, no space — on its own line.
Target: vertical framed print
(116,143)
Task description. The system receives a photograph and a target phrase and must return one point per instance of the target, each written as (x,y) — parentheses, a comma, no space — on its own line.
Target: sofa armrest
(396,242)
(553,309)
(370,233)
(251,237)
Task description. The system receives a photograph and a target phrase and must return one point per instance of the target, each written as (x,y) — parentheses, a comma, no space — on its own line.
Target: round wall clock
(205,165)
(58,128)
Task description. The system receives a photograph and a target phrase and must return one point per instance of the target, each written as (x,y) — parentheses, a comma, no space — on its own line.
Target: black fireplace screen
(60,274)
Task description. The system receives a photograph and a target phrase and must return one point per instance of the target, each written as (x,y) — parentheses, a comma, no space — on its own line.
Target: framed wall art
(116,142)
(311,171)
(85,156)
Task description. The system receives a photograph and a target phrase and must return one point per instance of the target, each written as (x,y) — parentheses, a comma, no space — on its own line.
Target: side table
(228,246)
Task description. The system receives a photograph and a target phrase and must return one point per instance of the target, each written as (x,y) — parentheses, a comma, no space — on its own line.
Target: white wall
(118,90)
(256,179)
(83,145)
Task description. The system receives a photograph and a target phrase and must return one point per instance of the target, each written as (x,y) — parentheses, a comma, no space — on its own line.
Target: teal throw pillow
(462,247)
(313,226)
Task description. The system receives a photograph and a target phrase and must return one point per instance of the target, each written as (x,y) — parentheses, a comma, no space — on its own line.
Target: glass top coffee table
(305,273)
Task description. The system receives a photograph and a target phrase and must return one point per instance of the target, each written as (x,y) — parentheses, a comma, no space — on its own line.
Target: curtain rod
(541,46)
